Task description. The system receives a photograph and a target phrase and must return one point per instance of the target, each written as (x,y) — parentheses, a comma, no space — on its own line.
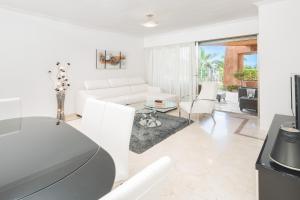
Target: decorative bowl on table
(159,103)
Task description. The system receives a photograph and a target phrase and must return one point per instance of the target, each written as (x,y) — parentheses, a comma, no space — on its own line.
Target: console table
(274,181)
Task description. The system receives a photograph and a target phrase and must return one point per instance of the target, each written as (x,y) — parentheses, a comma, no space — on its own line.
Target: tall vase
(60,97)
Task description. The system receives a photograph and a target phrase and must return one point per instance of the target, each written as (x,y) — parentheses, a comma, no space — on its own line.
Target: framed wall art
(110,59)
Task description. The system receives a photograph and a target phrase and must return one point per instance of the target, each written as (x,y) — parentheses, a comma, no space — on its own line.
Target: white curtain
(172,68)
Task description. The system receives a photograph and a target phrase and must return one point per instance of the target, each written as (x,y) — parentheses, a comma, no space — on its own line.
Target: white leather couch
(123,91)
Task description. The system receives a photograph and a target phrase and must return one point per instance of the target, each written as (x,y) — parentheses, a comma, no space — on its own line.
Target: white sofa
(123,91)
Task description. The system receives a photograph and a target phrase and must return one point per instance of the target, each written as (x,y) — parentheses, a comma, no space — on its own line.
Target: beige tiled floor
(211,162)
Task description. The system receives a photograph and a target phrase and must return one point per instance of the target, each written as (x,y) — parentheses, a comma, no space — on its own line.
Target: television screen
(297,101)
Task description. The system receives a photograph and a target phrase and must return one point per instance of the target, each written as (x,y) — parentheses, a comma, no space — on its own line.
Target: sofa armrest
(81,98)
(154,90)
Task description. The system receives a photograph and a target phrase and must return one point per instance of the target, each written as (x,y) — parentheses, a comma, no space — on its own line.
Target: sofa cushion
(119,100)
(109,92)
(118,82)
(136,98)
(136,81)
(96,84)
(139,88)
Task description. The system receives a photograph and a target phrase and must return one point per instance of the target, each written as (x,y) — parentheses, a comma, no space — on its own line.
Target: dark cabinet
(276,182)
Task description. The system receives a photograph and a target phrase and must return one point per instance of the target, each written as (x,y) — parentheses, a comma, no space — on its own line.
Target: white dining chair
(146,185)
(110,126)
(204,103)
(10,108)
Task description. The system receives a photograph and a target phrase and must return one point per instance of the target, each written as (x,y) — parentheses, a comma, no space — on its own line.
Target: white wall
(30,45)
(279,42)
(247,26)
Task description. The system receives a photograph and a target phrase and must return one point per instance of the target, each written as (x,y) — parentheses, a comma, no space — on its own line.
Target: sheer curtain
(172,68)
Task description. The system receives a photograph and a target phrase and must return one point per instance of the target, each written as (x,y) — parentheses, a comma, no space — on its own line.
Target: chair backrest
(206,98)
(242,92)
(208,90)
(146,185)
(10,108)
(110,126)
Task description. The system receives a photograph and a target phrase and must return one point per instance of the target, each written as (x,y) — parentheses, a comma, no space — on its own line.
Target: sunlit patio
(233,64)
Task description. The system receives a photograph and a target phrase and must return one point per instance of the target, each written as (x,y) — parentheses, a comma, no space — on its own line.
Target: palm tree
(209,66)
(220,68)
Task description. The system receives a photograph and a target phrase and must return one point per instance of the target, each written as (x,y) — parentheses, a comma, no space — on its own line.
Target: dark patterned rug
(143,138)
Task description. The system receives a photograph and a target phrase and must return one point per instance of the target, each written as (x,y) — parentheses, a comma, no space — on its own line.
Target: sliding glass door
(233,64)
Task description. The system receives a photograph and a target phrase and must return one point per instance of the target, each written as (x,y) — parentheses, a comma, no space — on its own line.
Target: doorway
(233,64)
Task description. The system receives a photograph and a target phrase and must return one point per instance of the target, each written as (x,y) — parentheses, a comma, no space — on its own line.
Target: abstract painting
(110,59)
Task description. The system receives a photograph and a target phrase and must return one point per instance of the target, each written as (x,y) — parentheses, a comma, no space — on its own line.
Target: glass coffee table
(148,114)
(163,106)
(148,118)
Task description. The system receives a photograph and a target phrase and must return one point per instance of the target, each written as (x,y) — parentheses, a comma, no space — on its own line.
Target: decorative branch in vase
(61,83)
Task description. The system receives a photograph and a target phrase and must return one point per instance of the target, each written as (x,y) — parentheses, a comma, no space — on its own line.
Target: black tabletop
(264,162)
(39,149)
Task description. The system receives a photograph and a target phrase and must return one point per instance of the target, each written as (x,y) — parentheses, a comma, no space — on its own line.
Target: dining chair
(204,103)
(110,125)
(10,108)
(146,185)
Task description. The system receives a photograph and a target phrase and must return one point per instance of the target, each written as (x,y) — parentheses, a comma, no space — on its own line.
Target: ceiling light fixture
(150,22)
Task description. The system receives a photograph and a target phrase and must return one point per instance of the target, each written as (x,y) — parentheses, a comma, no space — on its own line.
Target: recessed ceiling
(127,15)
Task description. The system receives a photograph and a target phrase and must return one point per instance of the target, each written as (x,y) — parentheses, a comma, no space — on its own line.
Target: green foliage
(210,68)
(248,74)
(220,68)
(239,75)
(232,88)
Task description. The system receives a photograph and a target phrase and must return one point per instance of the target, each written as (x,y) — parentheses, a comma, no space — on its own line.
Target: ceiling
(127,15)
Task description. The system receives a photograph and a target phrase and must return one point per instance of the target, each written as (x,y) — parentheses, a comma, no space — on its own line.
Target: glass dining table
(43,159)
